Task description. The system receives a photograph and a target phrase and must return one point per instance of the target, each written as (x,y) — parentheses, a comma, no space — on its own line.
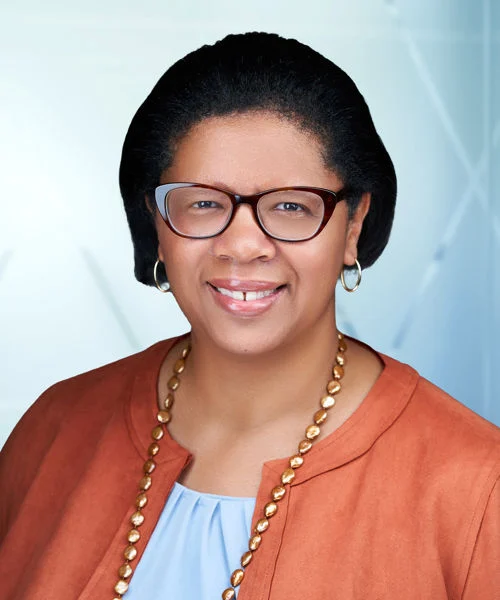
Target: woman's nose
(244,241)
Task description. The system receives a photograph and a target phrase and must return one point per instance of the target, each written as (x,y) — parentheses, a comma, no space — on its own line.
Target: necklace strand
(163,417)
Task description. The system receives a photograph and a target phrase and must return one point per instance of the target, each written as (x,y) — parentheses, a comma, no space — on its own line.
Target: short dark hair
(251,72)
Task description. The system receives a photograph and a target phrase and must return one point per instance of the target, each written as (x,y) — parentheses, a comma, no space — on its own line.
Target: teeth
(248,296)
(232,294)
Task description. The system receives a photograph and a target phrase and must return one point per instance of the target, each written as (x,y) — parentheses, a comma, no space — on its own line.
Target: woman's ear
(354,229)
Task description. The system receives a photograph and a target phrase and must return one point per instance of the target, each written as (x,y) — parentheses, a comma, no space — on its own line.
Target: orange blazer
(402,502)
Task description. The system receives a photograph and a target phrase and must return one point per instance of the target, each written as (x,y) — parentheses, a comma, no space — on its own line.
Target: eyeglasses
(289,214)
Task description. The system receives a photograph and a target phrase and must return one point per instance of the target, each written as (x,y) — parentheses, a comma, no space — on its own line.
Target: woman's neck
(234,413)
(245,392)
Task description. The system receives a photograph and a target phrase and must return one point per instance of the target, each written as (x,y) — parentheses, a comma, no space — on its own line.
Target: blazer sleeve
(483,580)
(23,453)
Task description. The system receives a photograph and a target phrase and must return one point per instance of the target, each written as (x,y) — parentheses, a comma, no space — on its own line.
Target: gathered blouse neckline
(209,496)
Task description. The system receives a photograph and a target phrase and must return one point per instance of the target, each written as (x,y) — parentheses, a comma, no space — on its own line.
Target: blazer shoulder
(449,438)
(449,415)
(104,385)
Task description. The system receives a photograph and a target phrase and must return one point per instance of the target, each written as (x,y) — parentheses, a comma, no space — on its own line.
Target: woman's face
(245,154)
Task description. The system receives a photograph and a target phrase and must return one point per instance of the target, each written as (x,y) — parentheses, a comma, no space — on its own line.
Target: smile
(245,298)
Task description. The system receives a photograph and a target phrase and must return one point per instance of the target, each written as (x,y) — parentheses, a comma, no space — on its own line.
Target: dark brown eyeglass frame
(329,197)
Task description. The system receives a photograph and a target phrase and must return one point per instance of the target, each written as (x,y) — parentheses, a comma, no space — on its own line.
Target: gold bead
(228,594)
(133,536)
(320,416)
(338,372)
(141,500)
(246,558)
(261,525)
(145,483)
(254,542)
(327,401)
(333,387)
(157,433)
(185,352)
(163,416)
(137,519)
(130,552)
(179,366)
(287,476)
(270,509)
(296,461)
(278,492)
(121,587)
(168,402)
(312,432)
(149,466)
(173,383)
(340,358)
(237,577)
(305,446)
(153,449)
(340,335)
(342,345)
(125,571)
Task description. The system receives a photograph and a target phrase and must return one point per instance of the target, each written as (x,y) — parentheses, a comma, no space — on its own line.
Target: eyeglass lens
(203,212)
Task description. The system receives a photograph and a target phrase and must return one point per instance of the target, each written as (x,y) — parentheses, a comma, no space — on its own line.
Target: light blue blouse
(195,546)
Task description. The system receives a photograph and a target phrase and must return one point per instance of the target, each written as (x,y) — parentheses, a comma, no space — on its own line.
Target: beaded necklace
(163,417)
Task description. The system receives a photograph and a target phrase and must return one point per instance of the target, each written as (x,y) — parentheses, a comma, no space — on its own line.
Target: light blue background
(71,79)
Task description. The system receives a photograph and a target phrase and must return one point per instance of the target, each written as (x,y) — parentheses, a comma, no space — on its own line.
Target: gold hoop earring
(163,287)
(358,280)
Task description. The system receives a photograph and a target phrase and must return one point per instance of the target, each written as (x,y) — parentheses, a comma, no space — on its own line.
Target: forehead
(254,151)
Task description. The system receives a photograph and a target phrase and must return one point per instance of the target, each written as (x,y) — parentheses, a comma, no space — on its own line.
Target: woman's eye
(205,204)
(289,207)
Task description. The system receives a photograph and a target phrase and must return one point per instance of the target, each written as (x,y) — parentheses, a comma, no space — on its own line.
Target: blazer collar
(379,410)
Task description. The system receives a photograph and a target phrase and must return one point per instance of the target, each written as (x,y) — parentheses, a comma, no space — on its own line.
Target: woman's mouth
(249,298)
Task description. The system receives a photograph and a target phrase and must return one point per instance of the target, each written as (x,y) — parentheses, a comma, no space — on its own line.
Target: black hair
(251,72)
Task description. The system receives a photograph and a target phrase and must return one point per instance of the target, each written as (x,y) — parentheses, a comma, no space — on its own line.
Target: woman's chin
(246,342)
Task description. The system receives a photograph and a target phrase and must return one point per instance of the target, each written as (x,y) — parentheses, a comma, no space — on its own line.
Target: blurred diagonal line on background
(432,269)
(433,93)
(488,130)
(496,144)
(101,282)
(5,257)
(446,120)
(474,187)
(496,227)
(447,240)
(440,107)
(496,135)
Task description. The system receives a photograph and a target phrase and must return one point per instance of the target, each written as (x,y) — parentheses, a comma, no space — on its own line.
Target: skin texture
(252,382)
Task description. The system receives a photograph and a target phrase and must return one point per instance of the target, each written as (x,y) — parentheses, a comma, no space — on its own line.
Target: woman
(253,178)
